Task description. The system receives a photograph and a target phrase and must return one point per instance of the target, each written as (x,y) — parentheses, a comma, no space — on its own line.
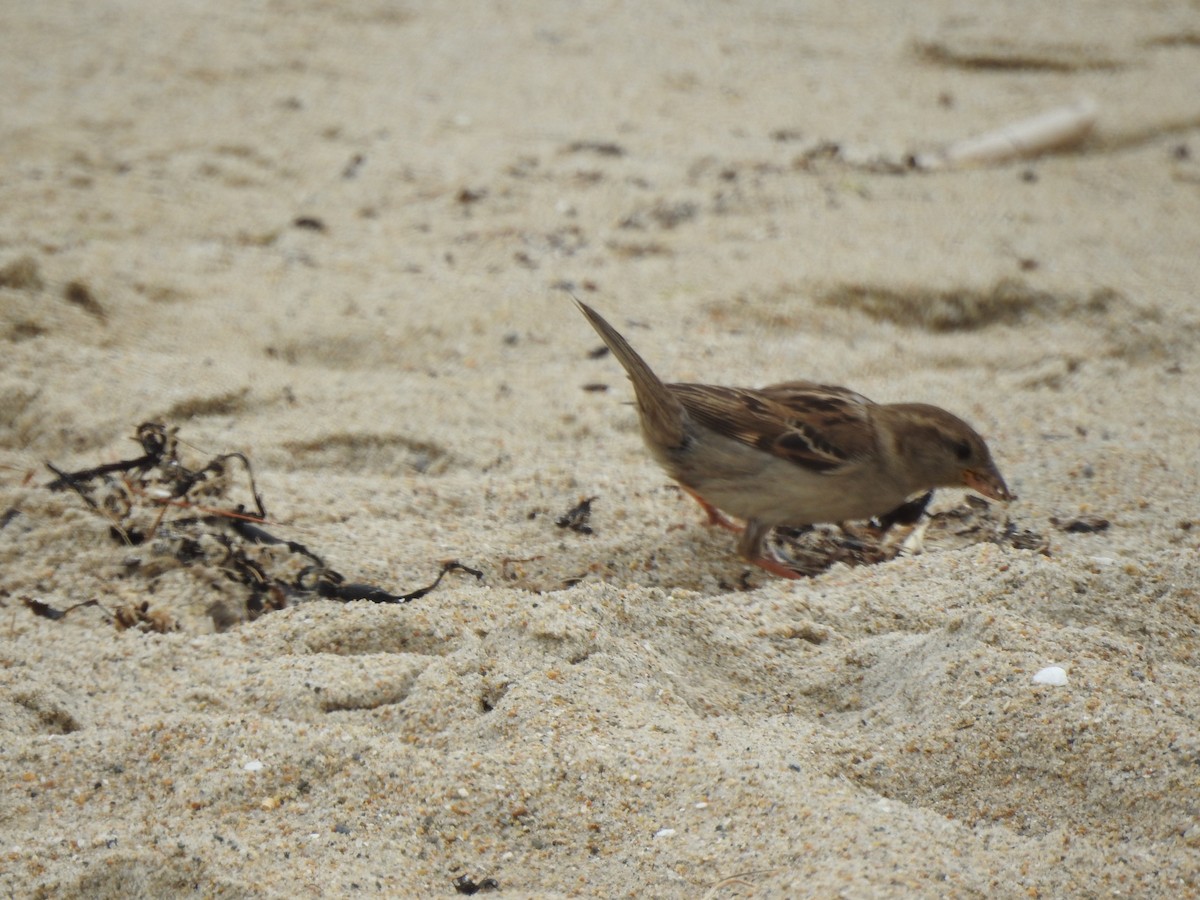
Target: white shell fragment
(1055,129)
(1052,675)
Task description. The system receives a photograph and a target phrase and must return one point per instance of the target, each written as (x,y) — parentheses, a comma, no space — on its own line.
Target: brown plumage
(798,453)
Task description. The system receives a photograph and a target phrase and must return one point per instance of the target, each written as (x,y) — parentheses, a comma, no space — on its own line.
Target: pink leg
(775,567)
(715,516)
(751,549)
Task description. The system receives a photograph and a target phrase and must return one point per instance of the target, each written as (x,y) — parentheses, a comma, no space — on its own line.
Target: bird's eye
(962,450)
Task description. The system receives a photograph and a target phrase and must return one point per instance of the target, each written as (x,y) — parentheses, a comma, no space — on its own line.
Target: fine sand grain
(333,237)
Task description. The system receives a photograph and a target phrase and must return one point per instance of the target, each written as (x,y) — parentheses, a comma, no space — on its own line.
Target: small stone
(1052,675)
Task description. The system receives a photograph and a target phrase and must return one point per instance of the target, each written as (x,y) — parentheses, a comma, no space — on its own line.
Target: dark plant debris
(909,513)
(139,616)
(576,518)
(904,531)
(45,610)
(465,884)
(309,223)
(347,592)
(599,148)
(1081,524)
(81,295)
(179,514)
(466,196)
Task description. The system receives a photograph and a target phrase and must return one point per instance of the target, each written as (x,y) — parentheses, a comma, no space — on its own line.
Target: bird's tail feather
(661,412)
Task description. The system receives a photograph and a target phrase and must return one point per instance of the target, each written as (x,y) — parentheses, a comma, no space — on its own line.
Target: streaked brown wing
(816,426)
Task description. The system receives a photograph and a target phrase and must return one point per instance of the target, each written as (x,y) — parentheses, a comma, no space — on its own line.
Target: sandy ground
(333,236)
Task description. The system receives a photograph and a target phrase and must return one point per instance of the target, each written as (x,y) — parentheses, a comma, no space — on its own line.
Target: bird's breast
(749,483)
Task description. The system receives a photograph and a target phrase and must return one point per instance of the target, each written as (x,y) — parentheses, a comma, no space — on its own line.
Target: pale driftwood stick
(1055,129)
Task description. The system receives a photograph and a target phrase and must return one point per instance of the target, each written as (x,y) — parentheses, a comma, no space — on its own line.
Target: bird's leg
(715,516)
(751,549)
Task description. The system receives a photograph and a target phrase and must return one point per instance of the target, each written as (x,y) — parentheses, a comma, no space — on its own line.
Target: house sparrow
(798,453)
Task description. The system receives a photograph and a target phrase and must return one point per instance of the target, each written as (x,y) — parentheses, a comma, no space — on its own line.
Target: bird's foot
(753,549)
(775,567)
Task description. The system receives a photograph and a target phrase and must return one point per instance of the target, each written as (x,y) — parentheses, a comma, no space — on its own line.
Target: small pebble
(253,766)
(664,832)
(1053,675)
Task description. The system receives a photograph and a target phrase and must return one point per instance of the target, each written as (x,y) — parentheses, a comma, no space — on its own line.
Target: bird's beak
(987,482)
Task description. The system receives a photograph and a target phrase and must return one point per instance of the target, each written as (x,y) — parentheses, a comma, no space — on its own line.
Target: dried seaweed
(46,611)
(1081,524)
(465,884)
(578,516)
(905,531)
(183,515)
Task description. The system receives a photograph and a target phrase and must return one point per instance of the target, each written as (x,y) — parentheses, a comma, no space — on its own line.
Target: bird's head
(938,449)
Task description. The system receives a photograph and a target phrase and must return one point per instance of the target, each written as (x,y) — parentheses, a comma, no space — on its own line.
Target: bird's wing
(818,427)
